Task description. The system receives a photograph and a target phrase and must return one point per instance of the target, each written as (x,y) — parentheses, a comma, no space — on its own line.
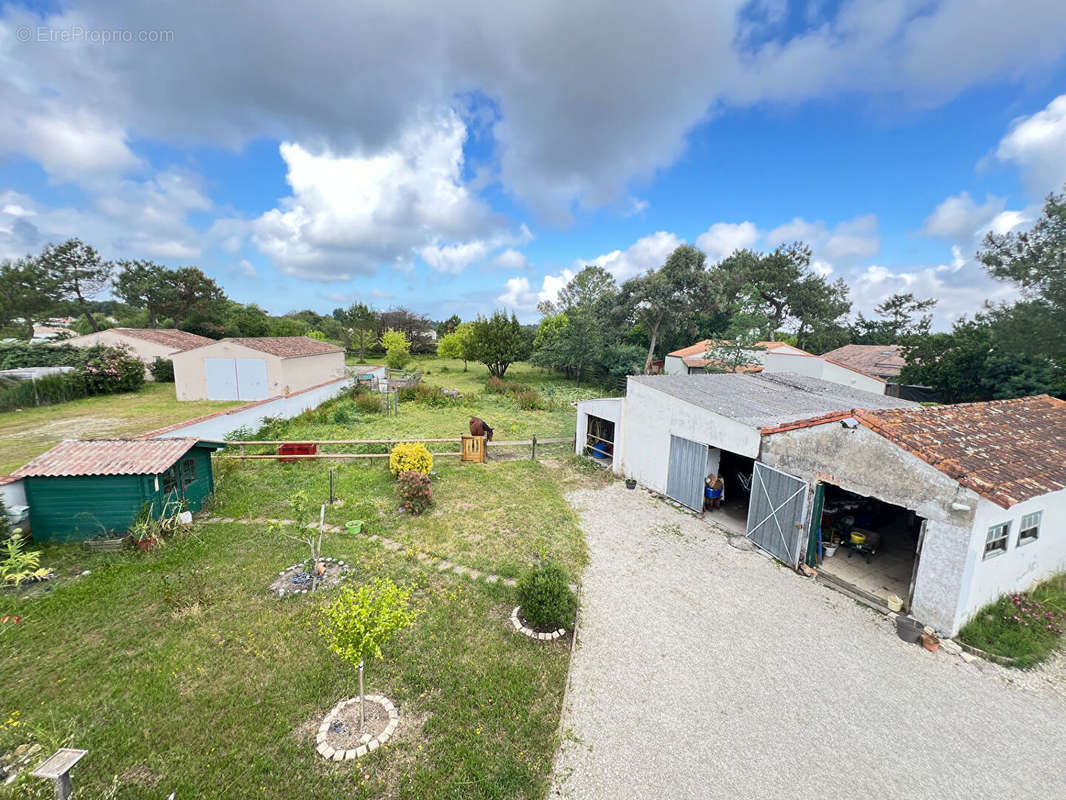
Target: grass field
(181,673)
(1026,627)
(28,433)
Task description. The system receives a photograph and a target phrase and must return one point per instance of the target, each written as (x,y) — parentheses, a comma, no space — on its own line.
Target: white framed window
(1029,530)
(996,539)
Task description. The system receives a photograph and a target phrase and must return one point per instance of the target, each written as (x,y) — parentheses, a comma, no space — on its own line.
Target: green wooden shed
(79,489)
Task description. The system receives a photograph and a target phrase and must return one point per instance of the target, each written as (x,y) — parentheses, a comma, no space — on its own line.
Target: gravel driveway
(702,670)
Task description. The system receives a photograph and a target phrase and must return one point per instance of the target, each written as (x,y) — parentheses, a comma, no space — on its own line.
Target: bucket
(631,484)
(857,538)
(829,550)
(908,630)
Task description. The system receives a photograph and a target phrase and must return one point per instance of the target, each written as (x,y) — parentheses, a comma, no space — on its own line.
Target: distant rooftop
(879,360)
(767,399)
(286,346)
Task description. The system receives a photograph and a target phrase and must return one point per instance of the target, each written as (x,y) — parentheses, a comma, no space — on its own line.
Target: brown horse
(478,427)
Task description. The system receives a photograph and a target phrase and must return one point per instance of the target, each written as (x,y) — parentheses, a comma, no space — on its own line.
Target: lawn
(181,673)
(28,433)
(1026,627)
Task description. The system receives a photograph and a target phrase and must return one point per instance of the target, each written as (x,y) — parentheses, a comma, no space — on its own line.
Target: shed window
(1029,531)
(996,540)
(188,471)
(170,481)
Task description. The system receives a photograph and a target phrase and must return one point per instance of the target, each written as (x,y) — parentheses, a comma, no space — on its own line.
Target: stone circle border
(290,592)
(532,634)
(369,743)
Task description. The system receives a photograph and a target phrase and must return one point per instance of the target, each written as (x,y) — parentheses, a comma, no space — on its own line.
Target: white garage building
(255,368)
(148,344)
(945,507)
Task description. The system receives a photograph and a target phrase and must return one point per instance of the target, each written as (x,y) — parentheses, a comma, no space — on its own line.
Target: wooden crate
(473,449)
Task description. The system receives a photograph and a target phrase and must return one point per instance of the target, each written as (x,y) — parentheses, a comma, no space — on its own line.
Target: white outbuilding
(148,344)
(255,368)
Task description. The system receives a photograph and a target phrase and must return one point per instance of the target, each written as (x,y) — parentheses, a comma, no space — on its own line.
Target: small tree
(308,536)
(497,342)
(456,344)
(359,621)
(397,348)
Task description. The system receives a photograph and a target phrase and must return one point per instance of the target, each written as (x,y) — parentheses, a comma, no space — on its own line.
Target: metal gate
(776,513)
(684,480)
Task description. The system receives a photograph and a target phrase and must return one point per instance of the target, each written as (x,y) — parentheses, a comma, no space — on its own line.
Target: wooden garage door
(236,378)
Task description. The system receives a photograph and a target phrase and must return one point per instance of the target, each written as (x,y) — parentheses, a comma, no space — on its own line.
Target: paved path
(704,671)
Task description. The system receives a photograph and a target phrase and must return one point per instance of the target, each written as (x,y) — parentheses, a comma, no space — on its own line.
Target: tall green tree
(668,297)
(585,303)
(901,315)
(790,292)
(456,344)
(360,324)
(497,342)
(143,284)
(190,294)
(78,274)
(27,295)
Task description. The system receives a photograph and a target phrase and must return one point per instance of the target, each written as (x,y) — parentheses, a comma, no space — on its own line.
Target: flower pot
(829,550)
(908,630)
(930,643)
(631,484)
(144,545)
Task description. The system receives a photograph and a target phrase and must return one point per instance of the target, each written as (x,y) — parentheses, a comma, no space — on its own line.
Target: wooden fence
(242,456)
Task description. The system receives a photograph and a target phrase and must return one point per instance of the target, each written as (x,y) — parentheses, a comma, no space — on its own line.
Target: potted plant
(930,641)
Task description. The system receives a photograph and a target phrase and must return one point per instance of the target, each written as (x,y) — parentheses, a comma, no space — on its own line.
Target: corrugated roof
(107,457)
(766,399)
(878,360)
(168,337)
(1005,450)
(286,346)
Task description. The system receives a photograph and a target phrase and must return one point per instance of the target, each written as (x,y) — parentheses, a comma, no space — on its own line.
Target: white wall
(608,408)
(816,367)
(216,428)
(651,417)
(674,365)
(284,375)
(1020,566)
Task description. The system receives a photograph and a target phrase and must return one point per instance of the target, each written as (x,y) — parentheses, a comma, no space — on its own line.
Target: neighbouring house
(823,368)
(255,368)
(945,507)
(694,360)
(81,489)
(148,344)
(883,362)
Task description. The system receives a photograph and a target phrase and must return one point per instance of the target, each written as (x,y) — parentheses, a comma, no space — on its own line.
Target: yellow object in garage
(857,538)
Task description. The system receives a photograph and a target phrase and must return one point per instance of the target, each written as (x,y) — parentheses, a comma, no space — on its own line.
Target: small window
(1029,531)
(170,481)
(996,540)
(188,471)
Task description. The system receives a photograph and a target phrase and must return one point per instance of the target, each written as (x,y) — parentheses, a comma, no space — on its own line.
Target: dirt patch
(140,775)
(298,578)
(344,732)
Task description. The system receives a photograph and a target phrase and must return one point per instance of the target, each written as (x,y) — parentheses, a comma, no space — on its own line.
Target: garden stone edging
(289,592)
(370,743)
(532,634)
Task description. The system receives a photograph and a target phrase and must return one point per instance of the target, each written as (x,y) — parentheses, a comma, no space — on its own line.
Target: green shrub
(18,355)
(429,396)
(109,369)
(162,370)
(530,401)
(342,415)
(415,492)
(410,457)
(45,391)
(369,403)
(545,597)
(397,357)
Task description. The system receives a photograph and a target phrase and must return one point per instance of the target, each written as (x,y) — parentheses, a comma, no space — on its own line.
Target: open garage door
(684,480)
(776,513)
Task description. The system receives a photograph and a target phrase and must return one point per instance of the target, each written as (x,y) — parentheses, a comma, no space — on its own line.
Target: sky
(466,156)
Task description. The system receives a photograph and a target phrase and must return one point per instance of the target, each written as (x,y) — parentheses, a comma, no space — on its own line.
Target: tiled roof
(168,337)
(286,346)
(107,457)
(1005,450)
(879,360)
(700,348)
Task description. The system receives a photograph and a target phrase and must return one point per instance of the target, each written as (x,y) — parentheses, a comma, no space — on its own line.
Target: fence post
(533,452)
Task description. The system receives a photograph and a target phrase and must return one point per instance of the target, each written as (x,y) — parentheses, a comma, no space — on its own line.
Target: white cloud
(648,252)
(1036,145)
(349,214)
(723,238)
(518,294)
(511,259)
(246,268)
(847,242)
(959,217)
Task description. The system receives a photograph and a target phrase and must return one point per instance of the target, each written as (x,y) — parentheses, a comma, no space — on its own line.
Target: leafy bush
(410,457)
(98,370)
(397,358)
(545,597)
(109,369)
(369,403)
(17,355)
(415,492)
(18,565)
(427,396)
(162,370)
(497,386)
(342,415)
(530,401)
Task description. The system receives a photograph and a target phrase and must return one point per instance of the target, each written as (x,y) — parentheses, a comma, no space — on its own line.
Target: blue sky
(460,159)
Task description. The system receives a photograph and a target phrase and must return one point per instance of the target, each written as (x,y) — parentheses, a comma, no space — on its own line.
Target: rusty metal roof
(107,457)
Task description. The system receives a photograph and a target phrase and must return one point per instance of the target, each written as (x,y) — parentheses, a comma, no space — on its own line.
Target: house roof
(1005,450)
(766,399)
(879,360)
(286,346)
(700,348)
(107,457)
(168,337)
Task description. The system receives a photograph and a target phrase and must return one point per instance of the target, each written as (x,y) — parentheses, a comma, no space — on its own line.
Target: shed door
(776,512)
(684,480)
(221,376)
(252,378)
